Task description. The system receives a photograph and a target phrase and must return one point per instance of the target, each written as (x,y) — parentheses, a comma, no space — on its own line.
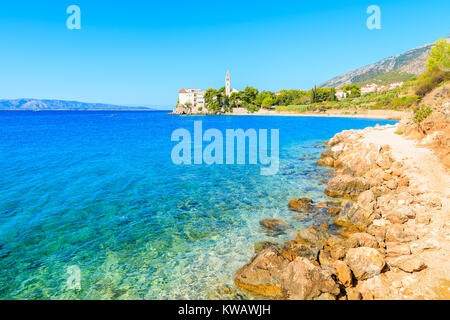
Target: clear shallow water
(98,190)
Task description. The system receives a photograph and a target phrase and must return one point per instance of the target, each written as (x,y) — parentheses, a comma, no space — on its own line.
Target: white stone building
(194,98)
(191,97)
(340,94)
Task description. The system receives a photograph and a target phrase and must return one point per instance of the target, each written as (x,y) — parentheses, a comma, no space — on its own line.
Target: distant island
(62,105)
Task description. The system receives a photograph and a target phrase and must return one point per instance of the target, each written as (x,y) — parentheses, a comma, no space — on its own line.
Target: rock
(303,204)
(361,239)
(333,211)
(396,217)
(346,186)
(395,249)
(403,182)
(262,275)
(399,233)
(422,245)
(327,161)
(338,253)
(328,154)
(408,263)
(292,250)
(326,261)
(302,280)
(353,215)
(384,161)
(367,200)
(273,226)
(343,273)
(353,294)
(265,244)
(379,232)
(392,184)
(364,262)
(313,235)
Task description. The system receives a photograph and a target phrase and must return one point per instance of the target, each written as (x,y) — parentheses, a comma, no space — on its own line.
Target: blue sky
(141,53)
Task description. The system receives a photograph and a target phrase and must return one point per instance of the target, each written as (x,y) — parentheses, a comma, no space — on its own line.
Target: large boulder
(346,186)
(364,262)
(302,280)
(262,275)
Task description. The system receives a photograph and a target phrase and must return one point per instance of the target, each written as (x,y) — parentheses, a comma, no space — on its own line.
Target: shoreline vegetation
(392,104)
(391,215)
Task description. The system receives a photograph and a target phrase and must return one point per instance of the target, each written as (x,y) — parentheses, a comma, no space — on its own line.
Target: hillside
(38,105)
(401,67)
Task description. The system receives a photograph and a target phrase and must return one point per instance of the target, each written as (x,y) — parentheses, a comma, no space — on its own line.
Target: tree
(268,102)
(355,90)
(440,56)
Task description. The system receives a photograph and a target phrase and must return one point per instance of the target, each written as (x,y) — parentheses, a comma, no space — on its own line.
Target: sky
(141,53)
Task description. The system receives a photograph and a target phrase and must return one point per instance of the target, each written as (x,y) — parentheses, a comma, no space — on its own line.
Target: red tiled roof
(182,91)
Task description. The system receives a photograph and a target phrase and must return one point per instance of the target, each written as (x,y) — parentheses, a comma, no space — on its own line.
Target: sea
(93,207)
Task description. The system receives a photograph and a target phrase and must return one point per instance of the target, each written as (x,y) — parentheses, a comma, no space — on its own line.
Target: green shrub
(422,113)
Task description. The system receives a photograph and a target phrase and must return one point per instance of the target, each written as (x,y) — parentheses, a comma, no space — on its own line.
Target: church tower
(227,85)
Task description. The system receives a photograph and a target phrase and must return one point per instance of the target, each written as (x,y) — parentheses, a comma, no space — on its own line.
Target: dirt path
(430,181)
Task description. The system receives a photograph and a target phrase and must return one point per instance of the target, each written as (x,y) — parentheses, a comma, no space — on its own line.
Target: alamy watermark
(374,20)
(74,20)
(191,151)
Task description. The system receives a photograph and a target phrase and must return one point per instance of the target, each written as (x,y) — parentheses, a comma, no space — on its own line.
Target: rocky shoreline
(390,238)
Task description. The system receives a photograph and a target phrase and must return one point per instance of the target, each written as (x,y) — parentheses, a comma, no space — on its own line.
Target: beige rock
(408,263)
(346,185)
(396,217)
(326,261)
(361,239)
(353,294)
(422,245)
(379,232)
(395,249)
(343,273)
(291,250)
(399,233)
(312,234)
(364,262)
(338,253)
(262,275)
(302,280)
(367,200)
(392,184)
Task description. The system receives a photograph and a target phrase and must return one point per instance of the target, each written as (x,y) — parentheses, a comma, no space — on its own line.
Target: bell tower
(227,84)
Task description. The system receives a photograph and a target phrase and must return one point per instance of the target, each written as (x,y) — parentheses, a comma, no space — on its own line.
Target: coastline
(366,114)
(393,227)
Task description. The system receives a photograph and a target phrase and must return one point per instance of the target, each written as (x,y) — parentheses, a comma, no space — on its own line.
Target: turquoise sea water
(98,190)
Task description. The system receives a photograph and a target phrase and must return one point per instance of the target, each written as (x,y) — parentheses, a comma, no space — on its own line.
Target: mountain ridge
(53,104)
(400,67)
